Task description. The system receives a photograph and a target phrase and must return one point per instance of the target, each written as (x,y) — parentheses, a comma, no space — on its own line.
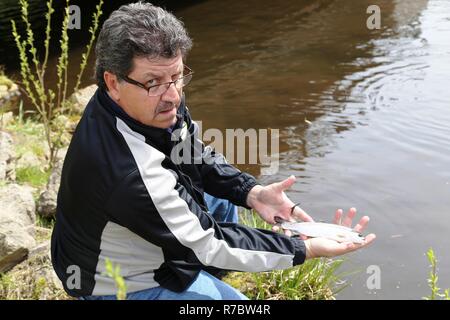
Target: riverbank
(27,214)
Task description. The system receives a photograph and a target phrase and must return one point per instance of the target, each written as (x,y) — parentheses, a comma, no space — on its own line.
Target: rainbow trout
(322,230)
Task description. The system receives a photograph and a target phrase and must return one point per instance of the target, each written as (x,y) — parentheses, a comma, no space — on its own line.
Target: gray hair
(138,30)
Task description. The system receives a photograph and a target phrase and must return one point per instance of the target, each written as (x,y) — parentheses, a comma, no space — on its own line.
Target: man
(124,195)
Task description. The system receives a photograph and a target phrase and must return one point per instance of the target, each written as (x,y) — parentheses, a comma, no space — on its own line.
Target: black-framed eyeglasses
(159,89)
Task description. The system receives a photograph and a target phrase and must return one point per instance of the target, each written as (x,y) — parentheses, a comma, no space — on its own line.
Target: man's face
(159,111)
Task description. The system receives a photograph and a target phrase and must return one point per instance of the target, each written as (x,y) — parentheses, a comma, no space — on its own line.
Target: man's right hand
(322,247)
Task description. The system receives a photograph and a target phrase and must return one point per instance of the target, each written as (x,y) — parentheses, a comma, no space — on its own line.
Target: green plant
(29,138)
(44,222)
(39,288)
(313,280)
(433,279)
(6,283)
(50,104)
(34,176)
(92,31)
(113,271)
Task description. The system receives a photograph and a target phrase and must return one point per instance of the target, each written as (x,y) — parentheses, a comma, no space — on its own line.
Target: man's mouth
(166,110)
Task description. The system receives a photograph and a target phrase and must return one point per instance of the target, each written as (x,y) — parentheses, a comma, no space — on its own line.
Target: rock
(14,88)
(47,203)
(6,119)
(47,199)
(14,247)
(81,98)
(34,279)
(17,219)
(49,274)
(17,205)
(9,95)
(61,155)
(7,156)
(28,159)
(40,249)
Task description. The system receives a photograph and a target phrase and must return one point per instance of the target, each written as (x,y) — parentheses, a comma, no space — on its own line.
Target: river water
(378,103)
(363,117)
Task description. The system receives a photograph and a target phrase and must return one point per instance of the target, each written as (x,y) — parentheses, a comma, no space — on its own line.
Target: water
(11,10)
(379,106)
(378,102)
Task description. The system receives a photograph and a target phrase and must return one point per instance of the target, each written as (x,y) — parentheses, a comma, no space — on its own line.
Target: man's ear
(112,83)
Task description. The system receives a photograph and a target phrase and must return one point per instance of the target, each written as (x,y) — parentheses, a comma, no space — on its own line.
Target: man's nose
(171,94)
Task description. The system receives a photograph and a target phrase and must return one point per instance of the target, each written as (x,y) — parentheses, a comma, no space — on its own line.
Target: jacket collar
(152,133)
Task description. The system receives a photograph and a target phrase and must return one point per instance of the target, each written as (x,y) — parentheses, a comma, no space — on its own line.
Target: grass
(29,138)
(28,135)
(315,279)
(34,176)
(433,279)
(30,280)
(27,127)
(47,223)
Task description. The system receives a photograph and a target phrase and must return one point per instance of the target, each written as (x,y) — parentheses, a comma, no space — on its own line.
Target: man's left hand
(271,201)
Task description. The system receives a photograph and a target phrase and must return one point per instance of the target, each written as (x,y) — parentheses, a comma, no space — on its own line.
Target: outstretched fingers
(362,224)
(285,184)
(276,228)
(338,216)
(349,218)
(369,239)
(347,247)
(301,215)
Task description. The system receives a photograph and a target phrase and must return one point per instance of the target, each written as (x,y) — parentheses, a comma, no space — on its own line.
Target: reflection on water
(378,103)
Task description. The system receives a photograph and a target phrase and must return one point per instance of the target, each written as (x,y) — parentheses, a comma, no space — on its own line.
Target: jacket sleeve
(219,178)
(223,180)
(156,207)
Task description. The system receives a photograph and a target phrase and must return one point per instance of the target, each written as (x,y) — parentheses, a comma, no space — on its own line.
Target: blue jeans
(222,210)
(205,286)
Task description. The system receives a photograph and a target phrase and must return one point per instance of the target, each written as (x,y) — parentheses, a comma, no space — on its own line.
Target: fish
(322,230)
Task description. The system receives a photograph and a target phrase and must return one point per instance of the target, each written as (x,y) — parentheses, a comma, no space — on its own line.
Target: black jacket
(124,196)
